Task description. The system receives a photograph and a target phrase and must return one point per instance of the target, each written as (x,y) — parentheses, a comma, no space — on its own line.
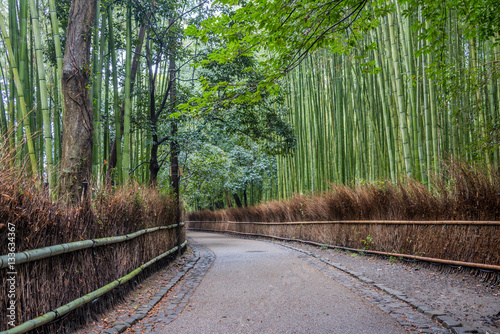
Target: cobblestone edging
(143,310)
(164,311)
(413,315)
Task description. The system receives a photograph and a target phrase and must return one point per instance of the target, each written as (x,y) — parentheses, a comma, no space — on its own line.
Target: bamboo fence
(467,243)
(74,274)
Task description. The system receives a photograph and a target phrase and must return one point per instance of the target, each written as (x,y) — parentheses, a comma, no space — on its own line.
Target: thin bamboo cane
(47,124)
(118,136)
(105,126)
(400,100)
(3,116)
(97,56)
(57,46)
(127,110)
(20,93)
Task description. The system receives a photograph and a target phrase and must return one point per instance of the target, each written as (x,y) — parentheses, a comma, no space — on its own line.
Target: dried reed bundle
(47,284)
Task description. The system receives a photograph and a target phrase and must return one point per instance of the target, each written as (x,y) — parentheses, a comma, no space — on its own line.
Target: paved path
(257,287)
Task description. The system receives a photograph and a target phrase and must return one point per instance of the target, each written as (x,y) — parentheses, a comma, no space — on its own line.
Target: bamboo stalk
(97,55)
(20,93)
(47,128)
(127,110)
(57,45)
(400,102)
(118,135)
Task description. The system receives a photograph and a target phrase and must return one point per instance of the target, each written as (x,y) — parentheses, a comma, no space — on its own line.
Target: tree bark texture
(154,166)
(76,163)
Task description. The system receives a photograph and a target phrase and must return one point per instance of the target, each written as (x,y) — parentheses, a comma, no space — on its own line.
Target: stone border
(143,310)
(168,309)
(445,320)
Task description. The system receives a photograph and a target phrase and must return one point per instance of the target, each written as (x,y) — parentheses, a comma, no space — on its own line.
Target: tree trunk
(76,163)
(227,196)
(154,166)
(237,200)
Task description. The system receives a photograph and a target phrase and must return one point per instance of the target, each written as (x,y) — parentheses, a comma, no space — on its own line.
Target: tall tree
(128,103)
(76,162)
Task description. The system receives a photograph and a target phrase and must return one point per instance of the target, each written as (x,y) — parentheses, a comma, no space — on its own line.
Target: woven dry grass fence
(44,285)
(464,193)
(476,242)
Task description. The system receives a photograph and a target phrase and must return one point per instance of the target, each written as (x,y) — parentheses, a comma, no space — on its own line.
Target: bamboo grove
(139,72)
(392,102)
(394,106)
(32,111)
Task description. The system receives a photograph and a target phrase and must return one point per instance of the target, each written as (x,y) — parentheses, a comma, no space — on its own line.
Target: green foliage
(218,164)
(367,242)
(280,34)
(479,17)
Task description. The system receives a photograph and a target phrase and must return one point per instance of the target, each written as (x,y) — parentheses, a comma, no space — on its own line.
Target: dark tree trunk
(237,200)
(154,166)
(245,201)
(227,196)
(76,161)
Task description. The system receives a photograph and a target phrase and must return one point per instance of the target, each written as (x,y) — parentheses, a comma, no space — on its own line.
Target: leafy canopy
(279,34)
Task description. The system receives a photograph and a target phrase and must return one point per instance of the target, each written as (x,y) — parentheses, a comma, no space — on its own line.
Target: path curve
(257,287)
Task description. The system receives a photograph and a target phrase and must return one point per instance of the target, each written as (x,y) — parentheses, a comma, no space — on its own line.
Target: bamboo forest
(286,156)
(234,103)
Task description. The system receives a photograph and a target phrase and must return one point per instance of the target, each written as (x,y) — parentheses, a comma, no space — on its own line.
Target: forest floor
(457,293)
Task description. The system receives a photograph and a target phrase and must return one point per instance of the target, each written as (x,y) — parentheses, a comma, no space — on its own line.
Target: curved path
(258,287)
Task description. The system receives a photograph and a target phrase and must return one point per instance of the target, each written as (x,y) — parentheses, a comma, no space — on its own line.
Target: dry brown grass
(463,193)
(47,284)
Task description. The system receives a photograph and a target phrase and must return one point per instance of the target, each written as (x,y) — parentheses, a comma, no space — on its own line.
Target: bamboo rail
(382,222)
(46,252)
(414,257)
(62,310)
